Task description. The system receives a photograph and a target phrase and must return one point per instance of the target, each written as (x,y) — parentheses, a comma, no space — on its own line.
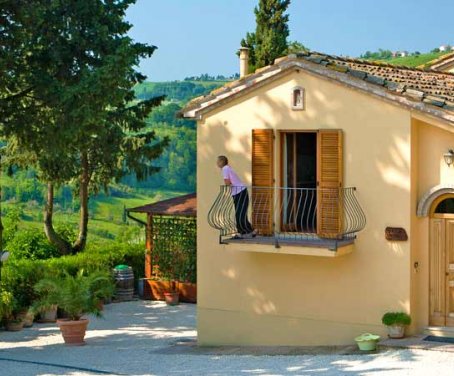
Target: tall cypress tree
(270,38)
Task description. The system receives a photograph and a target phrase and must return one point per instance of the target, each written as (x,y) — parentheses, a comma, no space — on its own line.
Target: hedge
(20,275)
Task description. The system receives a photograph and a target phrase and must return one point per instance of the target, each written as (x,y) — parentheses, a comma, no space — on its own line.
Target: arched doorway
(441,261)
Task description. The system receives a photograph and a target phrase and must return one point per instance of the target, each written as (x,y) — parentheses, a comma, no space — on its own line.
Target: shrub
(19,276)
(66,231)
(76,295)
(396,318)
(31,244)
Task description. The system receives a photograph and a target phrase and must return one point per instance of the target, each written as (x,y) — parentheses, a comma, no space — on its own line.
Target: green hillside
(413,60)
(23,193)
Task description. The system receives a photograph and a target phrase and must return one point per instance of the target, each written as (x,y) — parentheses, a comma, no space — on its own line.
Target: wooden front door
(441,275)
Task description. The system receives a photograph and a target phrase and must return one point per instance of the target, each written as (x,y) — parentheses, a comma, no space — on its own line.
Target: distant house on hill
(400,54)
(321,143)
(444,63)
(445,47)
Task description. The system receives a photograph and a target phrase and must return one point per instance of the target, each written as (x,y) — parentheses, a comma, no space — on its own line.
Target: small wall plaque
(396,234)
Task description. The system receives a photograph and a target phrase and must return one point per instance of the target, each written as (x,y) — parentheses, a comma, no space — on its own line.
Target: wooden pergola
(181,206)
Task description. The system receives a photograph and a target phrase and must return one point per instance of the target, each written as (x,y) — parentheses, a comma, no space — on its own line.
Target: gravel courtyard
(149,338)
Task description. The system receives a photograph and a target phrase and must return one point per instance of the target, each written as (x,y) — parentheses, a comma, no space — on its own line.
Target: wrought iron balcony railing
(287,214)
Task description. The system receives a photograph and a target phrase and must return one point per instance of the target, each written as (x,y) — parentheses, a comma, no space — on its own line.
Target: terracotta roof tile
(432,88)
(181,206)
(439,62)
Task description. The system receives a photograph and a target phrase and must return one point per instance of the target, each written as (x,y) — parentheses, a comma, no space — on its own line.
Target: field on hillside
(23,193)
(107,220)
(413,61)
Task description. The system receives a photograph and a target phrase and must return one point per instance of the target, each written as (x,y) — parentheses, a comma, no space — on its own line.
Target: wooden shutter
(263,180)
(329,182)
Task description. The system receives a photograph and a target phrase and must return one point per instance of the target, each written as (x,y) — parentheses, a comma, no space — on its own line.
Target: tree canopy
(66,97)
(269,41)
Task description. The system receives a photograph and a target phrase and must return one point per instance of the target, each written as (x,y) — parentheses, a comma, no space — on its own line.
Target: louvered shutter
(263,180)
(329,182)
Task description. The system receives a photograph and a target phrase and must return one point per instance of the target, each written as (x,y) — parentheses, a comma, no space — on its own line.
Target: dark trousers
(241,202)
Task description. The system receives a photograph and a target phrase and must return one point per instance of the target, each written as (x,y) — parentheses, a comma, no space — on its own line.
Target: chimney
(244,61)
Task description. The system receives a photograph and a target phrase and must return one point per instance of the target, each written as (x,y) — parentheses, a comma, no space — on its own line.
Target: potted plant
(46,304)
(171,268)
(367,341)
(102,287)
(76,295)
(27,316)
(396,323)
(172,295)
(9,311)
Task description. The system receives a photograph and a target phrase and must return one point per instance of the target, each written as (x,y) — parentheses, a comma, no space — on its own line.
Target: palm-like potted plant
(9,311)
(102,287)
(396,322)
(77,296)
(47,303)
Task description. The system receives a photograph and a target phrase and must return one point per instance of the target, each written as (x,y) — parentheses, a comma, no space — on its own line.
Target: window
(446,206)
(298,98)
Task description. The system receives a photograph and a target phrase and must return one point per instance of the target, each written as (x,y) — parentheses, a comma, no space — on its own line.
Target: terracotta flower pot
(172,297)
(14,326)
(73,332)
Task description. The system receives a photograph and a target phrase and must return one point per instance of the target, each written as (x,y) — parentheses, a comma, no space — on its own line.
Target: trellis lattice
(174,248)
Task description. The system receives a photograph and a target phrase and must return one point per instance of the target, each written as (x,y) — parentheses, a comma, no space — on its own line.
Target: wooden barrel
(124,280)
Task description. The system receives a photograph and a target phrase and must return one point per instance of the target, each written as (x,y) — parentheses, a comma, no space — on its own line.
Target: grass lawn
(106,213)
(413,61)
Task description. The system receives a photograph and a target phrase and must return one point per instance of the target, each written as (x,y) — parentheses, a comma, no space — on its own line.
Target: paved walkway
(149,338)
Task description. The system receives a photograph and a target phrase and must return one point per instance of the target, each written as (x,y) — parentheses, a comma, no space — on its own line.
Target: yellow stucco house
(351,188)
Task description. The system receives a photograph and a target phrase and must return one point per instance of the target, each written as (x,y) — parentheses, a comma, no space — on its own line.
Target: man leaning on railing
(240,198)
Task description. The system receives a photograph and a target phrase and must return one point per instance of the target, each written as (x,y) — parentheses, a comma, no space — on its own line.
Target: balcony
(309,221)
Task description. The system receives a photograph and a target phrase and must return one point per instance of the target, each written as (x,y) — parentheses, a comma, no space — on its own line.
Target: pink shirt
(237,184)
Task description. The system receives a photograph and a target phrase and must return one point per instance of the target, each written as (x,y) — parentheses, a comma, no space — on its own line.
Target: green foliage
(415,59)
(295,47)
(66,231)
(102,285)
(175,91)
(178,162)
(207,77)
(19,276)
(381,54)
(174,248)
(167,114)
(76,295)
(7,305)
(71,74)
(270,38)
(396,318)
(31,244)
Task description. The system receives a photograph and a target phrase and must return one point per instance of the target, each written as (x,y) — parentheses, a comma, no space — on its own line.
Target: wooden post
(149,246)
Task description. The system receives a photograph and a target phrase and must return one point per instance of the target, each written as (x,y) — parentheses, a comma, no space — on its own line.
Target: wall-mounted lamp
(449,157)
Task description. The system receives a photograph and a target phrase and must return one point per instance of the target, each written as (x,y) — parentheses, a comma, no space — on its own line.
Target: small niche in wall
(298,99)
(396,234)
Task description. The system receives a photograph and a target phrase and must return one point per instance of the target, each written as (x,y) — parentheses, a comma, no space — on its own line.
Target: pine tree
(270,38)
(67,77)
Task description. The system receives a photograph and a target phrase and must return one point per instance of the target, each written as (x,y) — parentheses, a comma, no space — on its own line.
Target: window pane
(446,206)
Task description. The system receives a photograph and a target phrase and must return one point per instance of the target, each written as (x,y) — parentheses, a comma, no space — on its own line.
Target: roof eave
(323,72)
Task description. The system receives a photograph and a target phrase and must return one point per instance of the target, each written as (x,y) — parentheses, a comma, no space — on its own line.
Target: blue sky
(201,36)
